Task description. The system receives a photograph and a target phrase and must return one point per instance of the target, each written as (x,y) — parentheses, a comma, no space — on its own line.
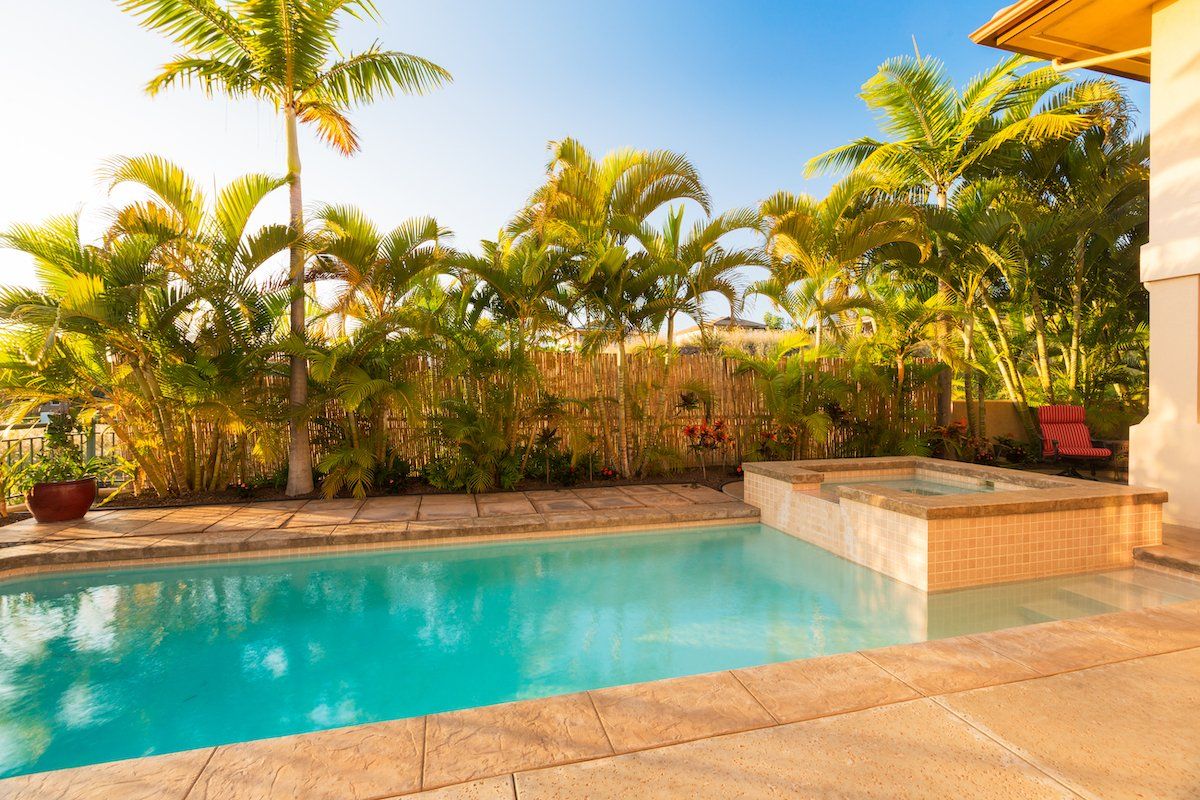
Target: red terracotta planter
(59,502)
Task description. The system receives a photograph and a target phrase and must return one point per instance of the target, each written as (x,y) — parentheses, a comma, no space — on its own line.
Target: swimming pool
(103,665)
(921,486)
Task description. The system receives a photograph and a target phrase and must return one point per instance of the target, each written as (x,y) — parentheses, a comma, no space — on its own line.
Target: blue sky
(750,90)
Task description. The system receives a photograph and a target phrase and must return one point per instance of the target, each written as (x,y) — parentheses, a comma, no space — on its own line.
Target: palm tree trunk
(622,429)
(1076,318)
(670,334)
(299,449)
(945,396)
(1043,352)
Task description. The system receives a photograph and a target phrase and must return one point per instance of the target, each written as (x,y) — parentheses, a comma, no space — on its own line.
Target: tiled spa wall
(940,554)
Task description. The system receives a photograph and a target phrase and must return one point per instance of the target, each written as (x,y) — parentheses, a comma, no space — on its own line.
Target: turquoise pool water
(921,486)
(103,665)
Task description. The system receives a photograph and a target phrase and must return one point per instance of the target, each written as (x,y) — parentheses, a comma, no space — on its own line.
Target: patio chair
(1066,440)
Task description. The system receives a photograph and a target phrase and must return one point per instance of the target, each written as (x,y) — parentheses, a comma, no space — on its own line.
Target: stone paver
(1117,731)
(501,788)
(156,778)
(503,504)
(402,508)
(646,715)
(324,512)
(949,665)
(798,690)
(484,742)
(447,506)
(344,764)
(606,498)
(913,750)
(1053,647)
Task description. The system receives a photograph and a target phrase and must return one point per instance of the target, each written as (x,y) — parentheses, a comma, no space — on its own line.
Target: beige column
(1165,447)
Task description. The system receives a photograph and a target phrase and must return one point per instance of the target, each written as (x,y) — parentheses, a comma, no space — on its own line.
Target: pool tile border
(483,746)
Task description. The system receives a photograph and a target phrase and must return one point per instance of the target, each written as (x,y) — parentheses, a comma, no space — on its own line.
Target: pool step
(1063,605)
(1150,588)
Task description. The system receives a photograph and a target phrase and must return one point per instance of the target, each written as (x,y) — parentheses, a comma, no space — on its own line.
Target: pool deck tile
(166,777)
(485,742)
(699,494)
(503,504)
(401,508)
(358,763)
(563,503)
(1117,731)
(1150,631)
(1052,647)
(257,516)
(949,665)
(501,788)
(324,512)
(797,690)
(645,715)
(186,520)
(447,506)
(605,498)
(913,750)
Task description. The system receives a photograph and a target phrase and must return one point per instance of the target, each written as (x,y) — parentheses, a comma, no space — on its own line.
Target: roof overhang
(1069,31)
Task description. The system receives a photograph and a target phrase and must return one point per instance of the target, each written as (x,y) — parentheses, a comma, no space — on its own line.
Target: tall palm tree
(696,264)
(820,249)
(940,135)
(591,206)
(286,53)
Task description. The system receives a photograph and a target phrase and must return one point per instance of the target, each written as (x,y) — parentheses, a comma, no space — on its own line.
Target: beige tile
(1149,630)
(325,512)
(816,687)
(1053,647)
(664,712)
(487,789)
(258,516)
(496,740)
(186,520)
(504,504)
(911,751)
(949,665)
(400,508)
(447,506)
(565,503)
(699,494)
(607,497)
(152,778)
(1119,731)
(356,763)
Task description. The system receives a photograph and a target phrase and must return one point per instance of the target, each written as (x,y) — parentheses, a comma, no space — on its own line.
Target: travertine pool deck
(131,535)
(1101,707)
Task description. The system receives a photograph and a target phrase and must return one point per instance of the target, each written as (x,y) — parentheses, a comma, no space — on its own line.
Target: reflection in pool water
(98,666)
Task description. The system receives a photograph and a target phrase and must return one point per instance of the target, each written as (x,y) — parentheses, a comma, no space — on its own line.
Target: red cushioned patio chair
(1067,440)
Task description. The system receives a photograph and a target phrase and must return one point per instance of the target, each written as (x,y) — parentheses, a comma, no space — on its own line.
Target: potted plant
(60,485)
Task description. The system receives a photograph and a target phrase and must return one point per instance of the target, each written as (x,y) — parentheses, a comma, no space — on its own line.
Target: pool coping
(134,550)
(461,748)
(1042,493)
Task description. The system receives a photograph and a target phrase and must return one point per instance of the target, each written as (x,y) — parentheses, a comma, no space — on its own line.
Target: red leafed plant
(707,437)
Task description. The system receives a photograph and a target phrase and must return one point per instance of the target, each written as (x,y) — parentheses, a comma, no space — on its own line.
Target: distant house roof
(730,322)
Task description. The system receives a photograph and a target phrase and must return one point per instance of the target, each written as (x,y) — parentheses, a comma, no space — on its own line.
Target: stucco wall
(1165,448)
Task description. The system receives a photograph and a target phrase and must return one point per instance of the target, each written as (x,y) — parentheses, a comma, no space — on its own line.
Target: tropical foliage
(985,244)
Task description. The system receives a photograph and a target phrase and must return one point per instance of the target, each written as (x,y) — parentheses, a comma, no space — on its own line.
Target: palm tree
(939,135)
(160,331)
(696,264)
(590,206)
(285,53)
(819,249)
